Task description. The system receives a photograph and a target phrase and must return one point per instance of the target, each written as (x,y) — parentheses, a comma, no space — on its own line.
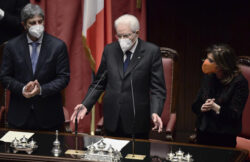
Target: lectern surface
(154,150)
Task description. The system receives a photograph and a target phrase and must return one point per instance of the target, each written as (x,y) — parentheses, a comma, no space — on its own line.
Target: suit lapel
(24,48)
(43,53)
(137,56)
(119,58)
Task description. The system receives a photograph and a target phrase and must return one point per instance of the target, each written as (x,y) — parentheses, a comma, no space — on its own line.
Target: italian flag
(97,29)
(97,32)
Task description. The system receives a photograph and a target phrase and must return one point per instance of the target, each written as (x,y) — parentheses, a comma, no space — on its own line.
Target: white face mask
(125,44)
(36,30)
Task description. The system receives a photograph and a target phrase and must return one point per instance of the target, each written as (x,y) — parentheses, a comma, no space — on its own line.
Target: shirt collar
(38,41)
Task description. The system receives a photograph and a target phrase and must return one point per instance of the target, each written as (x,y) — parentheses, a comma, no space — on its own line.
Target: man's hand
(31,89)
(157,122)
(82,112)
(38,86)
(29,86)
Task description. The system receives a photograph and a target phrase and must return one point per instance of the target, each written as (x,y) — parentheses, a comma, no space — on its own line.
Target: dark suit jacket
(10,25)
(52,72)
(146,72)
(232,99)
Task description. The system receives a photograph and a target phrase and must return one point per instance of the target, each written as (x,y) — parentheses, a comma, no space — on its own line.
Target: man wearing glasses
(131,74)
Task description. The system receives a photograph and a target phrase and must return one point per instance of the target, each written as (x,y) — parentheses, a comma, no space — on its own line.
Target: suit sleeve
(236,104)
(62,77)
(97,86)
(157,84)
(7,73)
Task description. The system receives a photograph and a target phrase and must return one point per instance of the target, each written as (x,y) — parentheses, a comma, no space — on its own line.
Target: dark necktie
(127,60)
(34,56)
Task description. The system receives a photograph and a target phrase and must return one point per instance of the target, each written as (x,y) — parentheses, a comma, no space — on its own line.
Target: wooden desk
(155,150)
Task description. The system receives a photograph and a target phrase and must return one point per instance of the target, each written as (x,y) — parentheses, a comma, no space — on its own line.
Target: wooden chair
(170,66)
(243,140)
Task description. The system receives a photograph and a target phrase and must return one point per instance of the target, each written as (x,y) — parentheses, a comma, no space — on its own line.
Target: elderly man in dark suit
(128,65)
(35,68)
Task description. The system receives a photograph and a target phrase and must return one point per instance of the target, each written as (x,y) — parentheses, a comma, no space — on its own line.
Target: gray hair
(128,19)
(31,10)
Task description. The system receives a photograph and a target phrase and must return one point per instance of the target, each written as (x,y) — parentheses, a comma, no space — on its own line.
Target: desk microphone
(133,124)
(90,94)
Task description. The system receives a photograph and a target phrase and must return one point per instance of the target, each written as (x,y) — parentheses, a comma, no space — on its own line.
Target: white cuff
(40,91)
(23,89)
(1,14)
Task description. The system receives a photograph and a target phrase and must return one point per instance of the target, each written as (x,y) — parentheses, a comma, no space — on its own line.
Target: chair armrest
(171,123)
(67,126)
(243,143)
(99,127)
(170,127)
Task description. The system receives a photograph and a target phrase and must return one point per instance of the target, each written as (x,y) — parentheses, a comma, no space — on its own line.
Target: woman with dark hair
(221,98)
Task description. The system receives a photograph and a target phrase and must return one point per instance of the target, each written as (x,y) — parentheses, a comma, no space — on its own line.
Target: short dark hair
(31,10)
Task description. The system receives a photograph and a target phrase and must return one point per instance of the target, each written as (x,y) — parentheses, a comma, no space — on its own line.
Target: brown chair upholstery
(169,60)
(243,140)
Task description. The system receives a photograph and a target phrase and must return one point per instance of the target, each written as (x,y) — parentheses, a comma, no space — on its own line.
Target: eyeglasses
(124,35)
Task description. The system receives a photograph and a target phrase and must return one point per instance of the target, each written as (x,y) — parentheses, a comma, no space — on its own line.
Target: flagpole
(92,125)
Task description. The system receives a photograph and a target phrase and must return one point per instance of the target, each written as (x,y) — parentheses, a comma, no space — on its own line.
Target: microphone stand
(76,151)
(133,126)
(133,155)
(78,111)
(76,128)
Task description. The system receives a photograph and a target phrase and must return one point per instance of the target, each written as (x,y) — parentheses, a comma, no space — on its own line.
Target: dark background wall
(189,27)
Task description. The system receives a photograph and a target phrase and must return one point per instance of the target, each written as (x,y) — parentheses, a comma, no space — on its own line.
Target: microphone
(90,94)
(133,124)
(92,91)
(133,156)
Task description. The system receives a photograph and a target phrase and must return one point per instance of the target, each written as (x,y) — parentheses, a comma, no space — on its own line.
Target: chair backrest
(169,60)
(244,65)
